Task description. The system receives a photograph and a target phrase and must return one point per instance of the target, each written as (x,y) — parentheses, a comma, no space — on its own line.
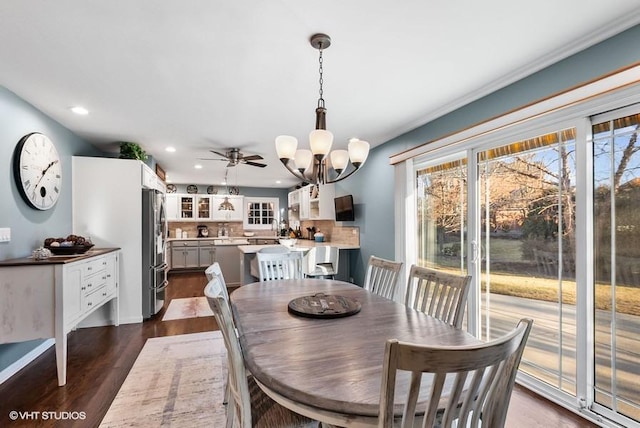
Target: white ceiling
(211,74)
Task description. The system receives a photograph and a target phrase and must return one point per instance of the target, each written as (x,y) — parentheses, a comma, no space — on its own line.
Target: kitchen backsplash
(332,232)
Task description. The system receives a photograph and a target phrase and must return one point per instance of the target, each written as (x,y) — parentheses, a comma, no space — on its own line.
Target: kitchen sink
(230,241)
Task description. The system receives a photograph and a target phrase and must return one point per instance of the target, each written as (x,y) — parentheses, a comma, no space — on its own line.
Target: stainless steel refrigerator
(154,264)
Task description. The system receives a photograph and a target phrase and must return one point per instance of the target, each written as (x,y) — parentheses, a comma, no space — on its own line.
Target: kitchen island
(248,267)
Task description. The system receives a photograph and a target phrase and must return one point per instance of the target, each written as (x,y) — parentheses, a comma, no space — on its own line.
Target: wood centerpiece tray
(322,305)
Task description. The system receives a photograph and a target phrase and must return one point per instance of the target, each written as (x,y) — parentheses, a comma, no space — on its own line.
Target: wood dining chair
(215,270)
(477,381)
(274,266)
(439,294)
(321,262)
(382,276)
(248,406)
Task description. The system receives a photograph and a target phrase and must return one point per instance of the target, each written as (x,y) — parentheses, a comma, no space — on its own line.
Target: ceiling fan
(234,157)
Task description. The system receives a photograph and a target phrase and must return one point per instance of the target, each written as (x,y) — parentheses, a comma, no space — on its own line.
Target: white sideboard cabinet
(49,298)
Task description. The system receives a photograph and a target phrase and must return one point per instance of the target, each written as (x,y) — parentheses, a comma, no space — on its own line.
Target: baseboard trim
(21,363)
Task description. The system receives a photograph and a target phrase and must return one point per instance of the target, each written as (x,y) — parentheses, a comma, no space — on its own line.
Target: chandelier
(320,165)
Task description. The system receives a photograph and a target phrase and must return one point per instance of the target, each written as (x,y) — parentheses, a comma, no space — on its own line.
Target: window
(261,213)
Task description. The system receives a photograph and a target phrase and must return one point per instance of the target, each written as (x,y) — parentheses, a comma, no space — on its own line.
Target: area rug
(192,307)
(176,381)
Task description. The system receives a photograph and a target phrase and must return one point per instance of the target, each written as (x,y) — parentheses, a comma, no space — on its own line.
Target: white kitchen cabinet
(204,207)
(49,298)
(186,207)
(312,202)
(219,202)
(172,205)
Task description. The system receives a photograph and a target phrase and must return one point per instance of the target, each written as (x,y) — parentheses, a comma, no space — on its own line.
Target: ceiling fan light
(358,151)
(286,146)
(303,159)
(339,159)
(320,141)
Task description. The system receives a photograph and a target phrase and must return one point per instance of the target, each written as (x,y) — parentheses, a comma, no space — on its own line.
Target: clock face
(37,171)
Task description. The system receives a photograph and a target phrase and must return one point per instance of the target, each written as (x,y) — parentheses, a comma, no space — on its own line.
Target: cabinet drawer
(207,243)
(94,282)
(96,298)
(93,266)
(180,244)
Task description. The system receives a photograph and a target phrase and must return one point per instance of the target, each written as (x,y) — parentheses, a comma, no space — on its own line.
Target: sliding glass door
(616,229)
(527,250)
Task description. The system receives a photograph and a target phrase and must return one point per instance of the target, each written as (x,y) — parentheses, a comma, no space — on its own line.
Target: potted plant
(132,151)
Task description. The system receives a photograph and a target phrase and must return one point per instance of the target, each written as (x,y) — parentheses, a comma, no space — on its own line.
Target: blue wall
(373,186)
(28,226)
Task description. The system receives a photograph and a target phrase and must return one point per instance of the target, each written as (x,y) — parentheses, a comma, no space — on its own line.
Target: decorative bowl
(288,242)
(69,250)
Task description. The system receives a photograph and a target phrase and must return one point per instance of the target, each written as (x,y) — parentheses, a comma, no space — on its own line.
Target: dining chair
(248,406)
(272,266)
(215,270)
(382,276)
(439,294)
(321,262)
(477,381)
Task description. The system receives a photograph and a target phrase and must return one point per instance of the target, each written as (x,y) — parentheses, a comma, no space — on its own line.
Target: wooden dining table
(328,369)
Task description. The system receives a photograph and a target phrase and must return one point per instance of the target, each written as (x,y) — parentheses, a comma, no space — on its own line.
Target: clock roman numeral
(27,184)
(56,189)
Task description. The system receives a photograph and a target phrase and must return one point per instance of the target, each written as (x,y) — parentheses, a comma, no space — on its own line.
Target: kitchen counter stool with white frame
(48,298)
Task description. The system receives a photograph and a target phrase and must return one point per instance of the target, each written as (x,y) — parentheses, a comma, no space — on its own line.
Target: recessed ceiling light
(224,183)
(80,110)
(278,181)
(197,166)
(170,149)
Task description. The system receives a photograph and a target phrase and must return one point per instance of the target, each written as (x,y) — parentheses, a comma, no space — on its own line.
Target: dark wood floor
(99,360)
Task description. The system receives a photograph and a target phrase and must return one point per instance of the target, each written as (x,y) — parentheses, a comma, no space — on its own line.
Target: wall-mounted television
(344,208)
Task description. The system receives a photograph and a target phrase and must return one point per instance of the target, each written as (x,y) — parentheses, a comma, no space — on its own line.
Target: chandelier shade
(321,165)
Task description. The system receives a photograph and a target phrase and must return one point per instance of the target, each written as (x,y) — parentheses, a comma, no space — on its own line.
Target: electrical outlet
(5,234)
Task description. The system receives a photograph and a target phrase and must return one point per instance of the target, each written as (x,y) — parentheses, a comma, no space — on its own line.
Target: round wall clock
(37,171)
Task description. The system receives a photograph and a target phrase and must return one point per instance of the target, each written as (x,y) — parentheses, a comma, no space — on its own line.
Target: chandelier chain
(320,80)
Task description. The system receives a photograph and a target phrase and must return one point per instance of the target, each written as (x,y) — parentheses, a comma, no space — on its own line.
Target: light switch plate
(5,234)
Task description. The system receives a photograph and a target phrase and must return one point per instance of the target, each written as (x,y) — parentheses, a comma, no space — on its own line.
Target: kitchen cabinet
(207,253)
(228,257)
(195,207)
(312,202)
(172,204)
(49,298)
(185,255)
(203,207)
(219,202)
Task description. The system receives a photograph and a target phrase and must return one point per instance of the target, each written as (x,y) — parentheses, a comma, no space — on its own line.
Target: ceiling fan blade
(224,155)
(261,165)
(212,159)
(252,157)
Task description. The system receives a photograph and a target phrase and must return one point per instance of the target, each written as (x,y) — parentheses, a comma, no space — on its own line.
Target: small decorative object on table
(72,244)
(41,253)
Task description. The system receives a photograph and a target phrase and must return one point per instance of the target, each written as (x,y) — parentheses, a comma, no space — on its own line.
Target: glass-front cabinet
(203,204)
